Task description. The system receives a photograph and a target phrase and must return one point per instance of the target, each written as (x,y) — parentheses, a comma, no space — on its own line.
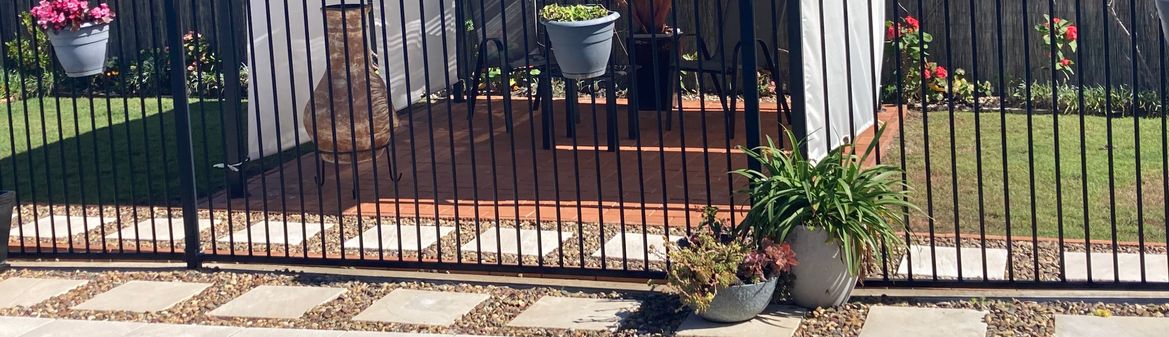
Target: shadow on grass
(106,150)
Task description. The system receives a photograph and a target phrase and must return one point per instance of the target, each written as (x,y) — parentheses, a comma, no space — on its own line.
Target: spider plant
(858,206)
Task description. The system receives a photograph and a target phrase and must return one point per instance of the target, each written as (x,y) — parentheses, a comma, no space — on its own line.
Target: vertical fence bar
(186,156)
(795,33)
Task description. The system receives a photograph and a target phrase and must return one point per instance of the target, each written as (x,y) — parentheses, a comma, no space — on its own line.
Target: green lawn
(1071,181)
(117,150)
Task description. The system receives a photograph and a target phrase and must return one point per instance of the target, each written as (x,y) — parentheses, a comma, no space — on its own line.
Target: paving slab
(16,326)
(1115,326)
(775,321)
(265,232)
(889,321)
(947,263)
(20,291)
(530,242)
(575,313)
(634,245)
(267,332)
(161,229)
(177,330)
(72,328)
(410,240)
(421,307)
(1156,267)
(285,302)
(59,226)
(143,296)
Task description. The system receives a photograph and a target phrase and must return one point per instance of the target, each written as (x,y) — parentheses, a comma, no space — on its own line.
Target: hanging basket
(582,48)
(82,52)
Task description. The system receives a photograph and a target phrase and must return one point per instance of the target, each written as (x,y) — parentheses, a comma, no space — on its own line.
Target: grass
(1052,211)
(67,151)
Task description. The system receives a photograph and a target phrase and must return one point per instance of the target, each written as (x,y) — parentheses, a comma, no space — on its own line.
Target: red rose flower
(912,22)
(1065,62)
(940,72)
(1072,34)
(890,33)
(926,73)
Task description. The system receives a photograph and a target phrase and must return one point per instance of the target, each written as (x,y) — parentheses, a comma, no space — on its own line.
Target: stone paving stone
(59,226)
(389,238)
(274,233)
(775,321)
(143,296)
(72,328)
(160,229)
(16,326)
(267,332)
(1156,267)
(19,291)
(947,263)
(888,321)
(1079,326)
(421,307)
(575,313)
(277,302)
(635,246)
(508,243)
(177,330)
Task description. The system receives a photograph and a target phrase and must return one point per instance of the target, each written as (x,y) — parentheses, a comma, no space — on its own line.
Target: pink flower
(1072,34)
(941,72)
(69,14)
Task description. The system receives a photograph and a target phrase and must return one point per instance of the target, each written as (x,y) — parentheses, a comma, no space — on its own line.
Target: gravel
(660,313)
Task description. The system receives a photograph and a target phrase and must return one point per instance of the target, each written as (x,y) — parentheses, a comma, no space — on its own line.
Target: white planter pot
(822,278)
(82,52)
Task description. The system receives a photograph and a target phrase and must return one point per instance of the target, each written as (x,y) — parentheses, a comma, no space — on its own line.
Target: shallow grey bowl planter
(582,48)
(82,52)
(7,202)
(740,303)
(822,278)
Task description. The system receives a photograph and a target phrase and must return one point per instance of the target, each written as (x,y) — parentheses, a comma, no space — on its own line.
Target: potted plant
(835,212)
(582,38)
(654,47)
(725,277)
(79,34)
(7,202)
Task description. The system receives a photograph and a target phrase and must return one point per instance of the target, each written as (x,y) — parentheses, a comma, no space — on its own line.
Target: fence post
(750,97)
(229,50)
(174,29)
(795,44)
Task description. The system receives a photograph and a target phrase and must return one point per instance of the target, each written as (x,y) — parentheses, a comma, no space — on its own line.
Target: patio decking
(450,167)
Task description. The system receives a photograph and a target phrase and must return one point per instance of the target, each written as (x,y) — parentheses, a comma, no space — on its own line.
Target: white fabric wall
(862,27)
(266,94)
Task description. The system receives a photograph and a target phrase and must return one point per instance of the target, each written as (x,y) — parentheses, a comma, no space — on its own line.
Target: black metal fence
(442,135)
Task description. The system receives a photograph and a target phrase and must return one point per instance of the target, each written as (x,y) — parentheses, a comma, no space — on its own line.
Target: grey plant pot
(822,278)
(82,52)
(740,303)
(7,202)
(582,48)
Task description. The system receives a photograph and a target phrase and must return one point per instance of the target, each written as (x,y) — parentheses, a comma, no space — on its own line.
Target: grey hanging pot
(82,52)
(582,48)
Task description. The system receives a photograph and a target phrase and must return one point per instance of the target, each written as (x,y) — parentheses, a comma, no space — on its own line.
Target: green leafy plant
(1095,99)
(715,258)
(572,13)
(858,206)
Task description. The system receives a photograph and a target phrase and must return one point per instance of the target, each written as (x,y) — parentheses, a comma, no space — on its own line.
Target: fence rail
(443,134)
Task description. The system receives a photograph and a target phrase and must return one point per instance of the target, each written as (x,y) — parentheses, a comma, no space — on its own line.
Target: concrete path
(43,327)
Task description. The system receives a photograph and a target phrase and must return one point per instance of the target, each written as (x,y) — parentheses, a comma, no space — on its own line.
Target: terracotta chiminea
(351,102)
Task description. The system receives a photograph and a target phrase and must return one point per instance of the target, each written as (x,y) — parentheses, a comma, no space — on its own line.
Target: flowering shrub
(916,70)
(714,258)
(1065,35)
(69,14)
